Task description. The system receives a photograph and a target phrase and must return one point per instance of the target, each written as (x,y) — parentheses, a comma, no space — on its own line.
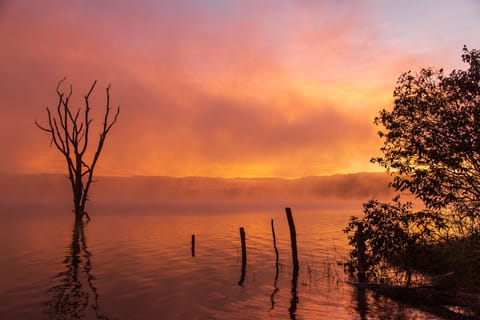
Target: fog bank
(168,192)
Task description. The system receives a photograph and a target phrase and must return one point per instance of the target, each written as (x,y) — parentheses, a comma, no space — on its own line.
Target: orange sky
(221,88)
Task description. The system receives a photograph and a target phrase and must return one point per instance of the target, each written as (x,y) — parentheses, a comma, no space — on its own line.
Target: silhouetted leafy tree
(432,150)
(432,136)
(70,132)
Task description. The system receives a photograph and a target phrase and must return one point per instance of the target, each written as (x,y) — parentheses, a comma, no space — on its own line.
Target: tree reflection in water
(75,291)
(361,305)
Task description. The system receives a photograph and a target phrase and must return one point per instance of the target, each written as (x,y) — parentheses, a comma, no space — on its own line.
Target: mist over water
(134,260)
(165,194)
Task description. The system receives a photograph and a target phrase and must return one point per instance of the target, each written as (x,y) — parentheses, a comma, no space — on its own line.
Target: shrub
(388,239)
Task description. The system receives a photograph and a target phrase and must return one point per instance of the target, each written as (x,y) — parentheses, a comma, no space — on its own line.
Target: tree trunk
(77,198)
(78,192)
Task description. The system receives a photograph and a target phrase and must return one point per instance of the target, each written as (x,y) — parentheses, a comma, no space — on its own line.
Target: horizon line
(200,176)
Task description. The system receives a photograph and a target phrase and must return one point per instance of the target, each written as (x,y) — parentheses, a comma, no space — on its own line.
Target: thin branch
(87,120)
(91,89)
(42,128)
(59,84)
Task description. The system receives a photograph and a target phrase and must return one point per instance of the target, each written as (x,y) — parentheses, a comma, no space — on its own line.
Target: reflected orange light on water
(139,265)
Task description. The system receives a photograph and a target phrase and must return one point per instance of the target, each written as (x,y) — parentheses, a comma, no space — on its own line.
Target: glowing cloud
(237,88)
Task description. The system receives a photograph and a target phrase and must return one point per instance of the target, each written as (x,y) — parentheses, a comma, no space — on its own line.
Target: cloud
(240,89)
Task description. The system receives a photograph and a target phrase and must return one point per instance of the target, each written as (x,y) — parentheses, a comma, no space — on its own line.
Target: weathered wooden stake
(193,245)
(293,239)
(244,256)
(275,288)
(360,253)
(275,246)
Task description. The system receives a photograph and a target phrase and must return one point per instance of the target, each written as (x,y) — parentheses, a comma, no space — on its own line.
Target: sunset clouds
(221,88)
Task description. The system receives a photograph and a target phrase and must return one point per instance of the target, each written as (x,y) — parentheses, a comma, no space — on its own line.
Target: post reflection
(294,300)
(75,295)
(275,287)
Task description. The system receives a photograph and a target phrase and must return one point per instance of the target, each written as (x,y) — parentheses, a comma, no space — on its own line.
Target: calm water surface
(140,266)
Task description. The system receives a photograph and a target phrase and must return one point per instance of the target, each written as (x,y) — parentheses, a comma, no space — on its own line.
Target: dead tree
(70,132)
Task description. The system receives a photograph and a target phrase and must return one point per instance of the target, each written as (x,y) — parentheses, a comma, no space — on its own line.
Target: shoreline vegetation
(446,304)
(440,277)
(428,255)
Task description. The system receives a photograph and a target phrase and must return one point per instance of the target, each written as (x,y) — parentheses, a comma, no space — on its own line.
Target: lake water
(139,265)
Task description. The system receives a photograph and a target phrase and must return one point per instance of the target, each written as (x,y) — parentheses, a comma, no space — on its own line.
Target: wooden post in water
(193,245)
(361,248)
(293,239)
(244,256)
(275,288)
(275,247)
(244,246)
